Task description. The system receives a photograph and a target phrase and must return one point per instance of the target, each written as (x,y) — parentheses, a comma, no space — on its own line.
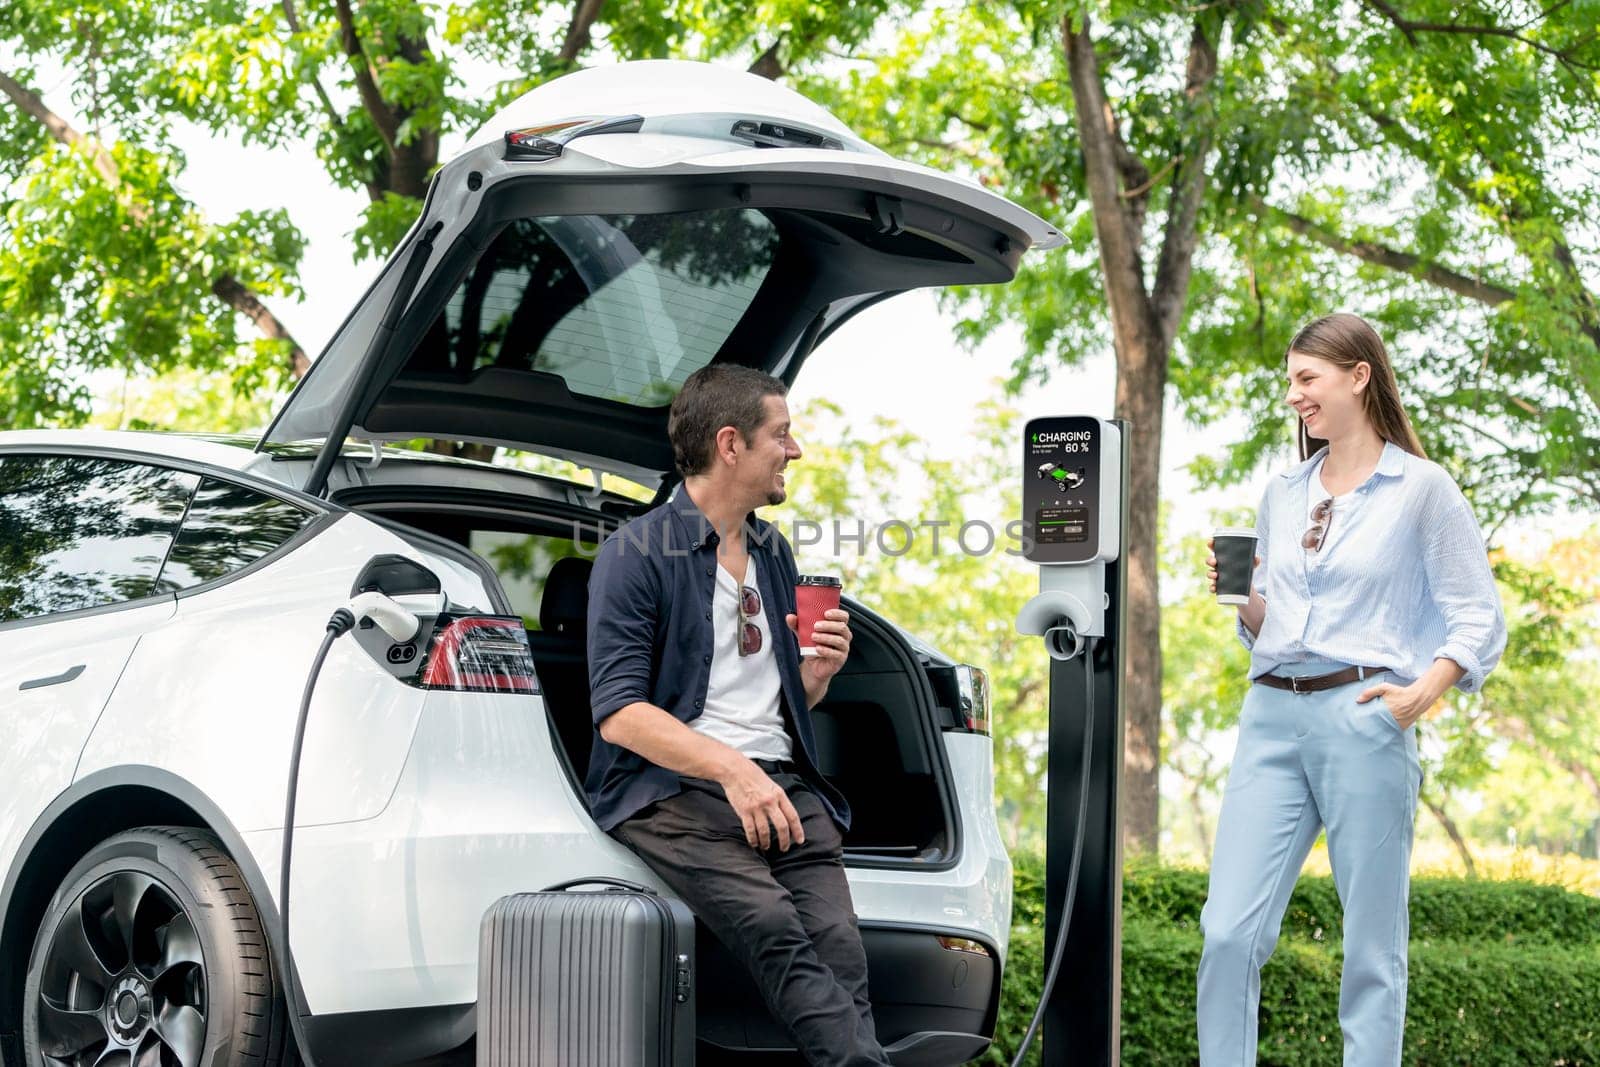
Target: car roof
(218,450)
(237,452)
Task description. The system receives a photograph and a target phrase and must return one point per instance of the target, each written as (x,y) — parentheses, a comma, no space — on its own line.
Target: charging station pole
(1075,507)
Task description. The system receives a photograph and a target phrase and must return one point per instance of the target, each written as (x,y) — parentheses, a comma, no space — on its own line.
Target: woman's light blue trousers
(1306,761)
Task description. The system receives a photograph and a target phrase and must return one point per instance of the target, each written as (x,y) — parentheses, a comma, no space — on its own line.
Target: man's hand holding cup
(822,626)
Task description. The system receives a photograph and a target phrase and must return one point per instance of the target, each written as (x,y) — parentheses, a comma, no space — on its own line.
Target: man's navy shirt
(650,640)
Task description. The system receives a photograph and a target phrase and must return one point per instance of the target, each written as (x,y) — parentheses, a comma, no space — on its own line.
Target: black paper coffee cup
(1235,549)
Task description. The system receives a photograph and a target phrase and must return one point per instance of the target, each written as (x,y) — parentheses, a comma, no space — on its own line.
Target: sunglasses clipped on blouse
(1321,521)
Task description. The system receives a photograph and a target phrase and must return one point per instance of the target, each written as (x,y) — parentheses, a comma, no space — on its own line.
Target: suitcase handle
(612,884)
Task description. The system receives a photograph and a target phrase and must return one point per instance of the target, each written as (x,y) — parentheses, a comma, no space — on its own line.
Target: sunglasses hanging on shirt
(1321,520)
(749,632)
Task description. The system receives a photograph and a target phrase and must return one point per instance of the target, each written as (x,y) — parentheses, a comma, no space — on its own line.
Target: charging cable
(340,623)
(401,625)
(1060,951)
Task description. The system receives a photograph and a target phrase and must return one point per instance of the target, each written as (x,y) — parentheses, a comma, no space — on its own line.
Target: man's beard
(779,494)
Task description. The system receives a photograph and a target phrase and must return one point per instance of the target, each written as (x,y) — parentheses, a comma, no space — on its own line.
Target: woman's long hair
(1345,340)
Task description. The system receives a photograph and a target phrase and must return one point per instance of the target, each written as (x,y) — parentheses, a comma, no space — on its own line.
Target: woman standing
(1372,596)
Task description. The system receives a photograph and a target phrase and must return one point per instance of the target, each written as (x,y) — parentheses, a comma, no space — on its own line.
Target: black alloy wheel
(124,975)
(152,955)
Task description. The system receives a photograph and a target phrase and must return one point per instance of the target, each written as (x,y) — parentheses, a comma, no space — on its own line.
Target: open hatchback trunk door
(613,231)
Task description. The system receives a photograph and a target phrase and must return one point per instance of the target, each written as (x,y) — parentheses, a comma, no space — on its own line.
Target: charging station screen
(1061,489)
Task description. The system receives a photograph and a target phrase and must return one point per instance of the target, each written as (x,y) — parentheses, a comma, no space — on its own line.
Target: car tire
(152,953)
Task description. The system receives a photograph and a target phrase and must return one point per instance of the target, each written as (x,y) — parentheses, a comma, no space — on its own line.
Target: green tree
(1545,783)
(104,264)
(1262,162)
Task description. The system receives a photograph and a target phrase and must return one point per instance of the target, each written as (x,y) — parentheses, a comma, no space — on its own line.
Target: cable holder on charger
(1069,607)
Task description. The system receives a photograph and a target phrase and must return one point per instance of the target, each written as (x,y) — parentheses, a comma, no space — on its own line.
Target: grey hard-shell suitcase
(586,979)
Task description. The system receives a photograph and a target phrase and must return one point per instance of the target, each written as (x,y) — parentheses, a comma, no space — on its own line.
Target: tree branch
(1519,730)
(1541,16)
(225,287)
(1150,181)
(1514,213)
(1114,220)
(232,292)
(1411,28)
(1136,178)
(1444,820)
(956,148)
(32,104)
(972,124)
(1379,255)
(322,94)
(1176,259)
(383,116)
(584,14)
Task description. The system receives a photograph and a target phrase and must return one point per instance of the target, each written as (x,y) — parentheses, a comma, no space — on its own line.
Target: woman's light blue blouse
(1402,578)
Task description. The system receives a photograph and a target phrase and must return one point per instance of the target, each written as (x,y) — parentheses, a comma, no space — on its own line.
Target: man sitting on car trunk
(705,764)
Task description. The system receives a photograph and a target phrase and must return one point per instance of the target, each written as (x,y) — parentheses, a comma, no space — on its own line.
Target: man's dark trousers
(786,916)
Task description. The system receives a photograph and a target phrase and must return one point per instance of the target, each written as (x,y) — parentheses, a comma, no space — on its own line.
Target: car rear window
(623,307)
(81,532)
(228,527)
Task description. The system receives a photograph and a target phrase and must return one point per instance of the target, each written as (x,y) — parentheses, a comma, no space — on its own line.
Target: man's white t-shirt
(742,699)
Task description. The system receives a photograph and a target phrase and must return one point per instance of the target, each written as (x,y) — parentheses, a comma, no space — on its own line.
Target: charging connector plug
(391,618)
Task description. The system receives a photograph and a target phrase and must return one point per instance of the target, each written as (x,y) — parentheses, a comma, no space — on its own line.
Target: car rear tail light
(539,143)
(479,654)
(961,692)
(973,685)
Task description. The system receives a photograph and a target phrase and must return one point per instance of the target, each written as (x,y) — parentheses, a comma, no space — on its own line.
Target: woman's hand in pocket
(1405,702)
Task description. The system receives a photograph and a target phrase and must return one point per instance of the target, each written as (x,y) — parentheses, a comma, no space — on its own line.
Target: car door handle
(65,676)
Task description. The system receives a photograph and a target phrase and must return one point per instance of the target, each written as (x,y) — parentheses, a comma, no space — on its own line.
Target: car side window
(82,532)
(228,527)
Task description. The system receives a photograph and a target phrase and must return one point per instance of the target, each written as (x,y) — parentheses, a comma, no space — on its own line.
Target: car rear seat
(561,658)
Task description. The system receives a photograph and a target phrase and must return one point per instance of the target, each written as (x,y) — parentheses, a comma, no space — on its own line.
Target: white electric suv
(162,598)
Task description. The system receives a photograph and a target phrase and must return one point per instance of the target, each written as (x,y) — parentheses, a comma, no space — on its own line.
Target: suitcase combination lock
(683,978)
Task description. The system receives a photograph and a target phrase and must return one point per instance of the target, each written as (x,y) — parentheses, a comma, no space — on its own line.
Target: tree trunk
(584,13)
(1450,827)
(1142,352)
(1202,829)
(1141,385)
(408,164)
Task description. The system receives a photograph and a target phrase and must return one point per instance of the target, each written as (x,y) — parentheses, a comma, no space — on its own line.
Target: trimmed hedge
(1442,909)
(1502,974)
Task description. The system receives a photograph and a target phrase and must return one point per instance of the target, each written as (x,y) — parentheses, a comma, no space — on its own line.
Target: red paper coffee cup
(813,595)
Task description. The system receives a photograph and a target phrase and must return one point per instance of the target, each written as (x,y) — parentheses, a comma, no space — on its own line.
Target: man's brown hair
(717,395)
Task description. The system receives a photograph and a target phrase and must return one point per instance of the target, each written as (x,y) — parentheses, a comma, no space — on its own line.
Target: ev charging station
(1075,507)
